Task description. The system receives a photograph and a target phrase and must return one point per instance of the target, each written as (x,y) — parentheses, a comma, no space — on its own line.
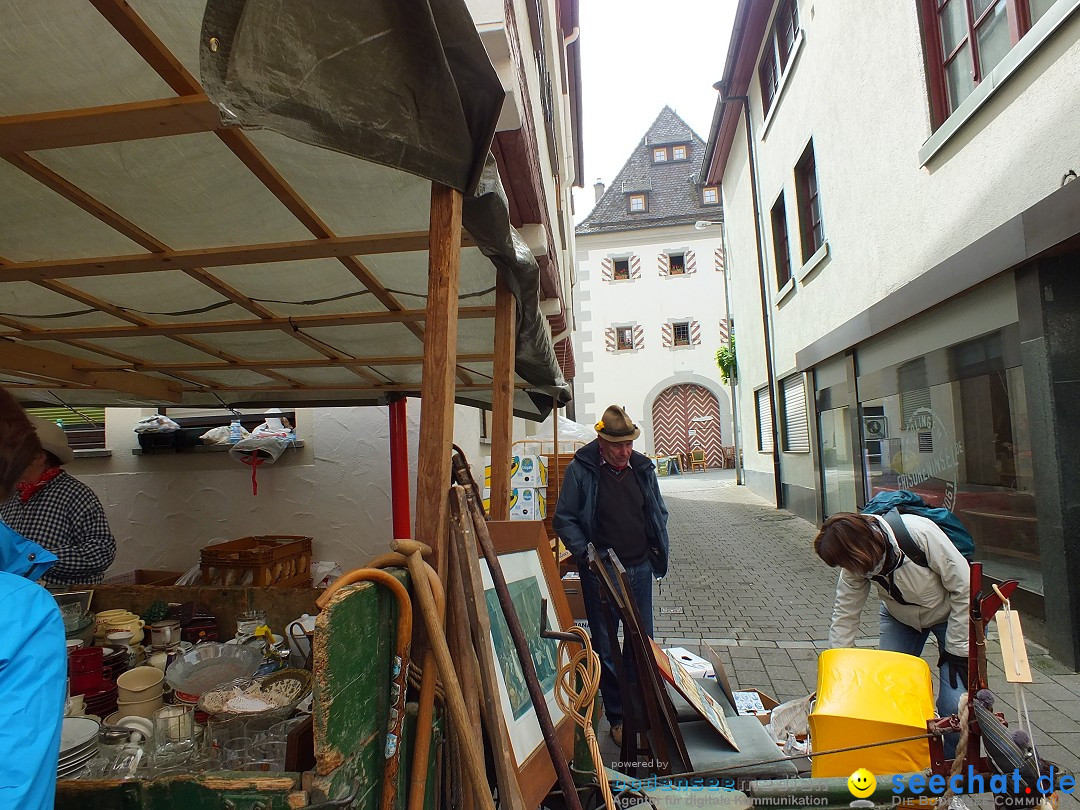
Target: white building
(902,243)
(650,298)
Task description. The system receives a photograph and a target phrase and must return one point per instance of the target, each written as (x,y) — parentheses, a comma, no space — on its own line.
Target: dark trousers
(641,581)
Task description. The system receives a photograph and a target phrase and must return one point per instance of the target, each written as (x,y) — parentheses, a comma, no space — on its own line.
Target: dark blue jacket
(575,514)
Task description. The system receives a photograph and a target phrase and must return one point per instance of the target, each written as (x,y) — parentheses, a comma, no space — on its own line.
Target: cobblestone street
(745,580)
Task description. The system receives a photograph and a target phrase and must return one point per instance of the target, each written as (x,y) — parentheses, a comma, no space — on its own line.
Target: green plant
(725,360)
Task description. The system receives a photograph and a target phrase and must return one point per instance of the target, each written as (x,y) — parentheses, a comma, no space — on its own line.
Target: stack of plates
(78,744)
(116,658)
(102,702)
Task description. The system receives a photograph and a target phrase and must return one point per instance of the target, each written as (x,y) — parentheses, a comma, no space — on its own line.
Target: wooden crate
(279,560)
(144,576)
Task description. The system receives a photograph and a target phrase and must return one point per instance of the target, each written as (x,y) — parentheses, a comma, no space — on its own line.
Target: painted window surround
(781,84)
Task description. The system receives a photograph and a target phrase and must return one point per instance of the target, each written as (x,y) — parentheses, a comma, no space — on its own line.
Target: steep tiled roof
(674,196)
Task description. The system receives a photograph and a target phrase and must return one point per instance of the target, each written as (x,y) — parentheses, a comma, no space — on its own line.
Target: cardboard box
(526,503)
(694,664)
(525,471)
(572,589)
(767,702)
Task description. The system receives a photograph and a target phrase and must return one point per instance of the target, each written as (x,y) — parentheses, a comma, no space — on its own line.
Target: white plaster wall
(336,489)
(887,219)
(634,379)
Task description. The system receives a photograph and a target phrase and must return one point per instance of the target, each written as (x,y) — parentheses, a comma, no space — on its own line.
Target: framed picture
(702,702)
(532,577)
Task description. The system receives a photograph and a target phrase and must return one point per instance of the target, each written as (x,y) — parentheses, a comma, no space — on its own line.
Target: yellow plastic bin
(866,696)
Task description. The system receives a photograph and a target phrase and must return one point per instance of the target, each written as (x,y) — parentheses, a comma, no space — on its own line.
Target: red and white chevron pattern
(691,261)
(662,264)
(607,269)
(666,336)
(718,259)
(725,333)
(695,333)
(635,267)
(611,339)
(684,408)
(639,337)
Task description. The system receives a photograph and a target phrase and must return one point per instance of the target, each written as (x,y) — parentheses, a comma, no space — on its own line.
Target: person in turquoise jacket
(33,660)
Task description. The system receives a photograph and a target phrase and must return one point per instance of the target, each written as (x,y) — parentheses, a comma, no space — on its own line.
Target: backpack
(890,504)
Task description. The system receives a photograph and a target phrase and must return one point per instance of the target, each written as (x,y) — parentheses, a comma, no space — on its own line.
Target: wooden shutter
(667,335)
(718,259)
(695,333)
(764,421)
(662,264)
(796,431)
(607,269)
(635,267)
(639,337)
(611,341)
(724,331)
(690,261)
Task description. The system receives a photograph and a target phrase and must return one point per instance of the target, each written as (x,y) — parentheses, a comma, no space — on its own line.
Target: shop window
(621,271)
(638,203)
(676,264)
(678,153)
(781,250)
(84,427)
(964,41)
(660,154)
(710,195)
(811,229)
(794,430)
(764,421)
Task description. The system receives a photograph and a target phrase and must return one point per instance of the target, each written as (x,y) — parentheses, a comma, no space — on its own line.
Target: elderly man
(60,512)
(610,498)
(32,659)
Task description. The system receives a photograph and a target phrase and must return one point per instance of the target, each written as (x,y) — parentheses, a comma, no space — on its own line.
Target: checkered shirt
(66,517)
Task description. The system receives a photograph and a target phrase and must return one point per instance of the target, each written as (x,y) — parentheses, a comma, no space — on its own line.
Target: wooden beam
(440,358)
(502,400)
(17,358)
(253,325)
(134,121)
(228,256)
(380,360)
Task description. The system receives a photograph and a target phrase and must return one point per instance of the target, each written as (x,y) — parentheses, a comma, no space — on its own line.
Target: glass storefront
(952,426)
(837,461)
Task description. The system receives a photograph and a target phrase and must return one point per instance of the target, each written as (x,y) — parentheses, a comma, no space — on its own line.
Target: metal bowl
(207,665)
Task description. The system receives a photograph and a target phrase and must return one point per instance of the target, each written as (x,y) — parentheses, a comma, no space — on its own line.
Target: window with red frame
(781,250)
(965,40)
(778,50)
(811,230)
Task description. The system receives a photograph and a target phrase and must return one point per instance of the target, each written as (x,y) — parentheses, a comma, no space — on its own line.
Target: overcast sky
(637,56)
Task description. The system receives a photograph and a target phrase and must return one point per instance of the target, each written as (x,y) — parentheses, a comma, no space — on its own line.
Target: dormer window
(678,153)
(638,203)
(660,154)
(710,195)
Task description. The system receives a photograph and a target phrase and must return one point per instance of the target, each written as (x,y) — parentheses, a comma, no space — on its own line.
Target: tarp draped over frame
(406,85)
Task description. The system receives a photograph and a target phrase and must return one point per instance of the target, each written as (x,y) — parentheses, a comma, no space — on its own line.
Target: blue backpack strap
(904,540)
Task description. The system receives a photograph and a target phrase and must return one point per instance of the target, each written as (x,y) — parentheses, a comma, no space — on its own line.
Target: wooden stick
(463,540)
(513,623)
(470,748)
(461,648)
(502,400)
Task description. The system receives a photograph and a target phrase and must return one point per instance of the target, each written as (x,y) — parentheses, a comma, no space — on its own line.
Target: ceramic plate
(77,731)
(79,755)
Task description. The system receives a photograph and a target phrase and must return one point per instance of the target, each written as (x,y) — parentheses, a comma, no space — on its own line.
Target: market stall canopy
(259,236)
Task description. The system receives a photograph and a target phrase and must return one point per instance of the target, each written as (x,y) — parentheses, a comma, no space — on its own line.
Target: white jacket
(936,593)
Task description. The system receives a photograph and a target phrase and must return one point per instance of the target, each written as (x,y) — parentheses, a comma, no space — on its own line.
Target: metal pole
(399,467)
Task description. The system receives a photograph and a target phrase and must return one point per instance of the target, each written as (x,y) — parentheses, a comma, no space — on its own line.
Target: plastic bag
(267,448)
(156,424)
(791,719)
(323,573)
(217,435)
(192,577)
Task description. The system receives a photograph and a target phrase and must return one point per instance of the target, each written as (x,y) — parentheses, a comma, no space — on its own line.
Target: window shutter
(607,269)
(666,333)
(764,421)
(610,340)
(724,333)
(796,429)
(662,264)
(639,337)
(635,267)
(695,333)
(718,259)
(691,262)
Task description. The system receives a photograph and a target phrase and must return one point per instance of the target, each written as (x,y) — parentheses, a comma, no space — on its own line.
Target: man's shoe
(616,734)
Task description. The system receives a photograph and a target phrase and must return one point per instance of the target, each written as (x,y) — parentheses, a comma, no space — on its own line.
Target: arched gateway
(686,417)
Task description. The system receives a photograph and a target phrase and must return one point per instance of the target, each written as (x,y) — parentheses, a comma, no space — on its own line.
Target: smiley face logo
(862,783)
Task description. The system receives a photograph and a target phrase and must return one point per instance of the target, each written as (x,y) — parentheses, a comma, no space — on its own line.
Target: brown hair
(19,443)
(850,541)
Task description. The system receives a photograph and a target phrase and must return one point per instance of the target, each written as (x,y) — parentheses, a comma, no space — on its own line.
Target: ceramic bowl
(141,683)
(140,708)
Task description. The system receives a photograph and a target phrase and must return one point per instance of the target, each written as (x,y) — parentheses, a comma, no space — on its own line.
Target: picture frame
(692,692)
(531,572)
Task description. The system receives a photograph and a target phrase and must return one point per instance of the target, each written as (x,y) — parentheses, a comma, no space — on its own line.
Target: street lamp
(702,224)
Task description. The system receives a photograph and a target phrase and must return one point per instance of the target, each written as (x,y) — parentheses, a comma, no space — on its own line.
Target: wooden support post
(440,359)
(502,400)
